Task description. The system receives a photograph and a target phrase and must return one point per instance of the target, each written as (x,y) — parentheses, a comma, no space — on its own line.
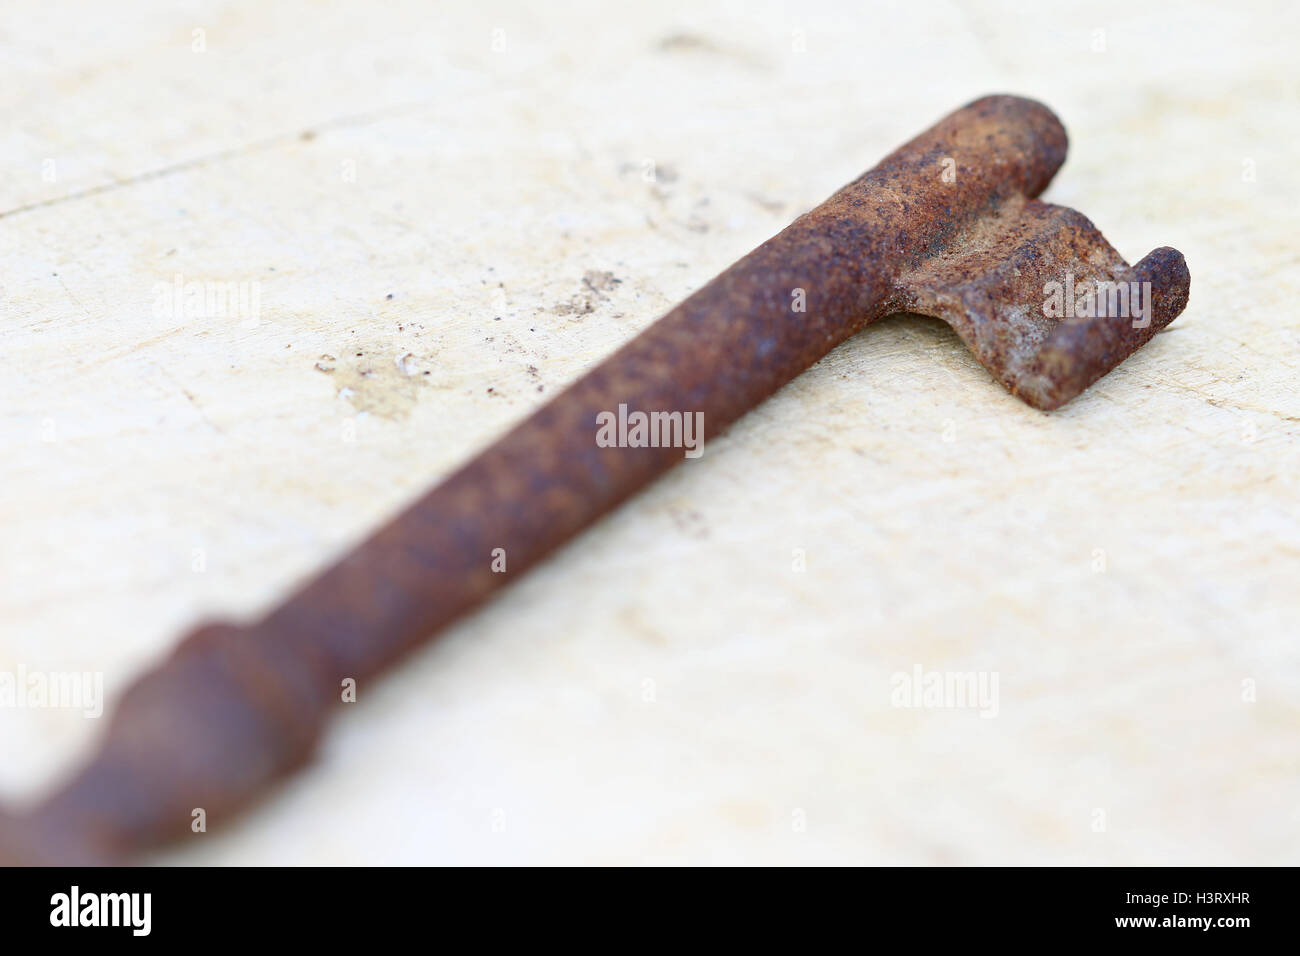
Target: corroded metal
(947,225)
(992,287)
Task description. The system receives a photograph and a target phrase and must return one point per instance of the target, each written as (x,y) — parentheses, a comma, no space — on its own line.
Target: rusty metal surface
(989,286)
(946,225)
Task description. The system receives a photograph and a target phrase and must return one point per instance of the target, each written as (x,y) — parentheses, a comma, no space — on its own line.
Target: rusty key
(946,226)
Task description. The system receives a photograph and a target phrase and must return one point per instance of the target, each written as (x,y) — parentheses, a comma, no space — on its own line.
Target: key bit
(1027,257)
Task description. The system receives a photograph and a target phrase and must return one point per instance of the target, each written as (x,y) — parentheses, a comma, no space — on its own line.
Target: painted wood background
(439,214)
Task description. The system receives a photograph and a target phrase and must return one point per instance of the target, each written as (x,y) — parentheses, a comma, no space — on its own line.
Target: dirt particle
(575,306)
(388,389)
(600,281)
(595,289)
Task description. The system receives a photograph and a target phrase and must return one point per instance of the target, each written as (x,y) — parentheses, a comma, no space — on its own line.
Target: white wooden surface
(669,688)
